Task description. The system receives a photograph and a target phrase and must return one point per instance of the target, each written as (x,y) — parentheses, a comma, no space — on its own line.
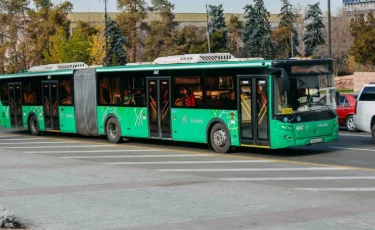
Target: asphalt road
(344,169)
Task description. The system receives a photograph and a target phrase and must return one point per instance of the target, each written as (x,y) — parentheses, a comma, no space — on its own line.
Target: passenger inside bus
(187,98)
(128,98)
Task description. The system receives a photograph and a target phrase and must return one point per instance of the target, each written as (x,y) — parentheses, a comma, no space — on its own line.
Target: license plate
(317,140)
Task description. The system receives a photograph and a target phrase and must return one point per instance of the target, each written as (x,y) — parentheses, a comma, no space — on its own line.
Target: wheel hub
(350,124)
(220,138)
(113,130)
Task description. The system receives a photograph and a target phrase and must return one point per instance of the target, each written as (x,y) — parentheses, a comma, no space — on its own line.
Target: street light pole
(208,32)
(329,30)
(106,32)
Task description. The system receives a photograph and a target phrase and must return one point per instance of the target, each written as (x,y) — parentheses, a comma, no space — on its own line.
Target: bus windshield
(306,94)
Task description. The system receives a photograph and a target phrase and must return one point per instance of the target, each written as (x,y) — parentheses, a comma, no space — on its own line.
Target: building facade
(353,7)
(196,19)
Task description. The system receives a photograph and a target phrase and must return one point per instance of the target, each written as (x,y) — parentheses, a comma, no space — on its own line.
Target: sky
(198,6)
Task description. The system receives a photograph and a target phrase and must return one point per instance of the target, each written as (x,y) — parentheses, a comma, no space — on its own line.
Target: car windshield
(305,94)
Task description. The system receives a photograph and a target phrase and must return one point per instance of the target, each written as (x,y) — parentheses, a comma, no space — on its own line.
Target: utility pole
(329,30)
(208,31)
(106,32)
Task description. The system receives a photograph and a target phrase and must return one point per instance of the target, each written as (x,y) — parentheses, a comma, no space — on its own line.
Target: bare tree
(299,11)
(341,41)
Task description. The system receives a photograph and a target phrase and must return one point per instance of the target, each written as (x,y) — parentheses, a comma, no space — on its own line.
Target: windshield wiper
(321,104)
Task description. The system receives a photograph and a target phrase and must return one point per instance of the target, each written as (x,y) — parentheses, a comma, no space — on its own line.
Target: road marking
(97,151)
(370,150)
(274,160)
(301,178)
(352,135)
(186,162)
(135,156)
(36,142)
(254,169)
(338,189)
(59,146)
(18,139)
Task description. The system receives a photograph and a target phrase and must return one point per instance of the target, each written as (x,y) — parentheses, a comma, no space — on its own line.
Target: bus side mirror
(284,80)
(337,98)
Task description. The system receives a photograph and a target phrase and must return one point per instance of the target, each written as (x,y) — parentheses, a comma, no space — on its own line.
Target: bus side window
(66,94)
(31,92)
(4,94)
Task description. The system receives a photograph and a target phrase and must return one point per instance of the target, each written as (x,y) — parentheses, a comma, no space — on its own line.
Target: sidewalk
(52,193)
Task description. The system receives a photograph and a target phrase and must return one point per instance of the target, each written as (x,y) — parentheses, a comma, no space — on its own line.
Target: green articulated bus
(215,99)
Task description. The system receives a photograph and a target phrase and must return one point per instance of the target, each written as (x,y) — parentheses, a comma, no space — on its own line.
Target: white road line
(370,150)
(59,146)
(97,151)
(300,178)
(338,189)
(352,135)
(186,162)
(137,156)
(254,169)
(36,142)
(20,139)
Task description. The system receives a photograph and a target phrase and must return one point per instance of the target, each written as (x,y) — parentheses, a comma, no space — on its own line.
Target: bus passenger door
(50,105)
(253,111)
(15,105)
(159,107)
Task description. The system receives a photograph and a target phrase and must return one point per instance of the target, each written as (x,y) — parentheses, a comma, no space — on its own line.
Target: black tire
(113,131)
(373,133)
(220,139)
(349,124)
(34,126)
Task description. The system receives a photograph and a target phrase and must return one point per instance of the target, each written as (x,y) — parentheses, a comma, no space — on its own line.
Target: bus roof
(234,63)
(37,74)
(208,65)
(150,67)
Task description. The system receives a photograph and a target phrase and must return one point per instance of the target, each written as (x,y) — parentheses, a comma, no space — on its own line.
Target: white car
(364,118)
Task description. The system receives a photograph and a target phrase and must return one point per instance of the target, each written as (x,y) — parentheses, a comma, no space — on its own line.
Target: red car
(346,110)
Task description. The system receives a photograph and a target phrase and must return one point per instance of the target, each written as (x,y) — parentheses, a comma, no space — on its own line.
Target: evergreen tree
(117,43)
(159,41)
(362,28)
(191,39)
(314,29)
(218,29)
(257,37)
(131,23)
(288,19)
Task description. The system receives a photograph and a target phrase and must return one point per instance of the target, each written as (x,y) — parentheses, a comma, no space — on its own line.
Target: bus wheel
(113,131)
(34,126)
(220,141)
